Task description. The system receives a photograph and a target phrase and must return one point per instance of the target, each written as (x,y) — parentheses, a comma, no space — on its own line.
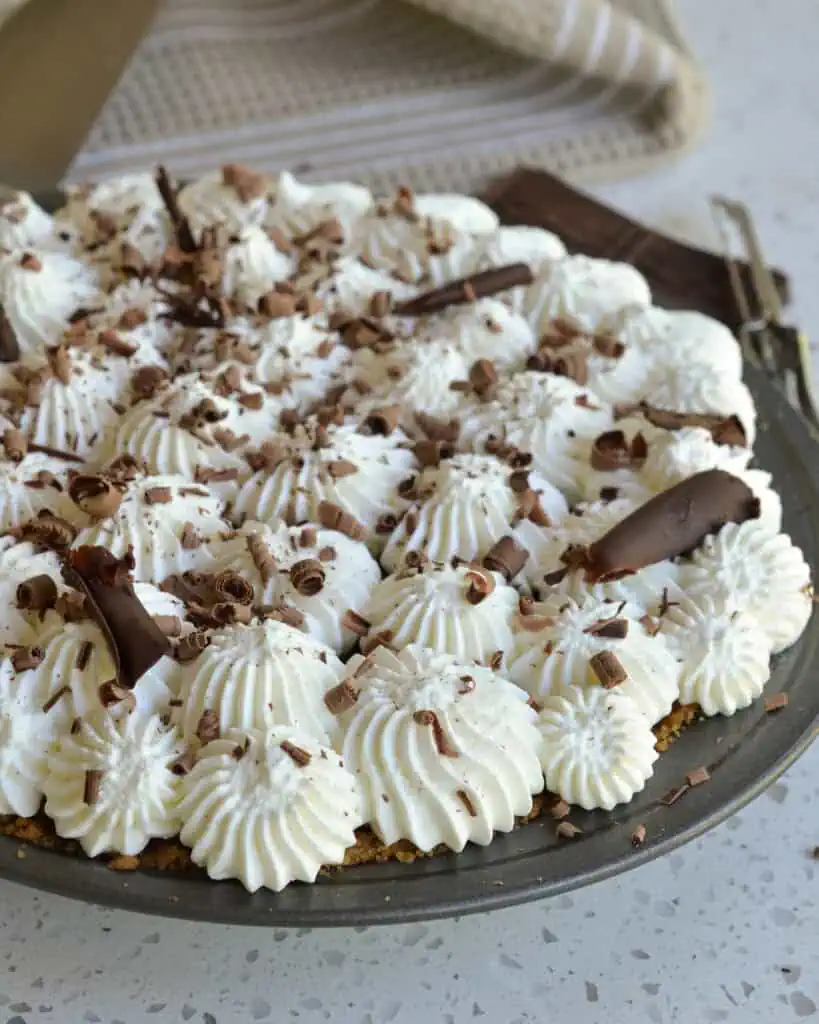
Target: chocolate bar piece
(680,276)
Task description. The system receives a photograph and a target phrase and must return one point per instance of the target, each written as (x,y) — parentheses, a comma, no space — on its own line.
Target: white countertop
(726,929)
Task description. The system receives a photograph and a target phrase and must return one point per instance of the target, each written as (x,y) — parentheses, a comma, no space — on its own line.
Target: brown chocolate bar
(680,276)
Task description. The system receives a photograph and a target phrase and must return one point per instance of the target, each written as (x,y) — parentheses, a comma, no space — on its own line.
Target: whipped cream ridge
(354,456)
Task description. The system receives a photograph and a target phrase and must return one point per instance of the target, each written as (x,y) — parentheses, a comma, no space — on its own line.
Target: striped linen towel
(433,93)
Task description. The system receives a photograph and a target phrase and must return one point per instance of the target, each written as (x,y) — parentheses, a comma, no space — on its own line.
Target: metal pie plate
(744,754)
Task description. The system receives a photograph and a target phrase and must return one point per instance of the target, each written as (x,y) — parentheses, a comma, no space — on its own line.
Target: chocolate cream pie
(337,527)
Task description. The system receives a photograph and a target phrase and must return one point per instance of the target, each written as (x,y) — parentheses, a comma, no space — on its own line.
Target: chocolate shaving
(111,693)
(467,289)
(94,495)
(135,641)
(560,810)
(262,558)
(114,343)
(574,365)
(184,763)
(445,431)
(724,430)
(776,702)
(698,776)
(37,594)
(55,698)
(671,523)
(15,443)
(190,538)
(566,830)
(287,614)
(246,183)
(191,646)
(612,451)
(91,787)
(381,638)
(48,531)
(431,453)
(333,517)
(146,380)
(442,743)
(466,800)
(24,658)
(340,468)
(674,794)
(180,223)
(158,495)
(298,755)
(230,585)
(483,378)
(506,556)
(230,613)
(84,655)
(638,836)
(207,728)
(382,421)
(307,576)
(479,586)
(341,697)
(356,623)
(608,669)
(72,606)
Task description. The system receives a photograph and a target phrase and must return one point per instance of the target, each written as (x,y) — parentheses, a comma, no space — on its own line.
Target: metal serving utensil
(779,349)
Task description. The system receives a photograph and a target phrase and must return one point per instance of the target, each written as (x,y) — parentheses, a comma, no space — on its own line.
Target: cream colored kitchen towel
(434,93)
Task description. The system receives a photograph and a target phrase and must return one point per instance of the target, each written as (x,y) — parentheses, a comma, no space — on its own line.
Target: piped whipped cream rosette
(422,379)
(124,211)
(751,570)
(30,587)
(550,417)
(561,644)
(344,476)
(111,783)
(40,290)
(294,357)
(268,807)
(139,308)
(464,505)
(520,243)
(442,751)
(195,425)
(429,239)
(259,675)
(30,483)
(321,576)
(166,523)
(27,732)
(24,224)
(486,329)
(462,609)
(724,655)
(679,338)
(71,402)
(588,293)
(234,197)
(597,747)
(298,208)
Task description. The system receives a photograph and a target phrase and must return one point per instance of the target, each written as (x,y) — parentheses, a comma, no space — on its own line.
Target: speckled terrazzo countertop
(726,929)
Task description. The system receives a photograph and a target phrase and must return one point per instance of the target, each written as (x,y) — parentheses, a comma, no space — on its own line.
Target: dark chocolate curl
(671,523)
(135,640)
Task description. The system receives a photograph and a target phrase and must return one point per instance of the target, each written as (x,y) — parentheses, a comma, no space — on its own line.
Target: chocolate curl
(724,430)
(506,557)
(181,225)
(135,641)
(467,289)
(612,450)
(670,524)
